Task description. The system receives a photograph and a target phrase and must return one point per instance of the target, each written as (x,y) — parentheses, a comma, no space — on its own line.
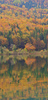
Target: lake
(23,79)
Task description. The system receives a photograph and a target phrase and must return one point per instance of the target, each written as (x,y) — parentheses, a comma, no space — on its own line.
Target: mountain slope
(24,27)
(28,3)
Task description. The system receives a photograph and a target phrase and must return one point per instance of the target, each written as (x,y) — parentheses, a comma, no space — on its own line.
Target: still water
(23,79)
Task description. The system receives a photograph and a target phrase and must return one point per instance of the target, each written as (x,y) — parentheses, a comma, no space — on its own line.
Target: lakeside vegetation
(23,53)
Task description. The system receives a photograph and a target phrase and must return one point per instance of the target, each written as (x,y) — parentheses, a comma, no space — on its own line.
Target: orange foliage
(3,40)
(29,46)
(30,61)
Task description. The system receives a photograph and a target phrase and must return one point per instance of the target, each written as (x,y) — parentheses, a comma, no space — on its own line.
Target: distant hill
(28,3)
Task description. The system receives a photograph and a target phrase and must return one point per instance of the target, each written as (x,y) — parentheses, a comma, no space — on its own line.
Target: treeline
(35,41)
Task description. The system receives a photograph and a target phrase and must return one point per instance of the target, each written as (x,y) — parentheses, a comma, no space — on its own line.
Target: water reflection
(24,79)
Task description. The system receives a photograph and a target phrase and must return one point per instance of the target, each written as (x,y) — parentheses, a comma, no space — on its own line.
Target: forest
(28,3)
(24,24)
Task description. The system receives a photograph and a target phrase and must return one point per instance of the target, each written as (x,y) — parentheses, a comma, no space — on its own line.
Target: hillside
(25,28)
(28,3)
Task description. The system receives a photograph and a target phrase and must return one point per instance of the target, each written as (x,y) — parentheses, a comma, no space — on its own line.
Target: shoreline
(26,53)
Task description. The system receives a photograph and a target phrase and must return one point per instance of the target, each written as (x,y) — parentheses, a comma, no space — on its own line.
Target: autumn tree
(40,44)
(29,46)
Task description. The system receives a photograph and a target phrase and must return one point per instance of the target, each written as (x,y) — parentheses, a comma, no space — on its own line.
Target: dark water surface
(23,79)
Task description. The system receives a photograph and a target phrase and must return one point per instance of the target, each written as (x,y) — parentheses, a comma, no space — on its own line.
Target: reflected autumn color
(24,80)
(30,61)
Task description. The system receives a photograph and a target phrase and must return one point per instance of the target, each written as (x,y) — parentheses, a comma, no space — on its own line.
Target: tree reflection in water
(23,79)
